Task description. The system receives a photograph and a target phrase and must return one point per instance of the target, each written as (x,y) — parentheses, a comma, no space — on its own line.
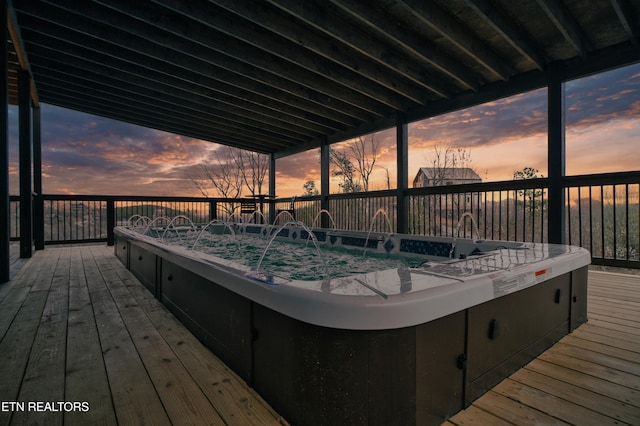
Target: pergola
(285,76)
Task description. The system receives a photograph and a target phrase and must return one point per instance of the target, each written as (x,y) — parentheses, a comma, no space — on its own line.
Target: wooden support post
(324,180)
(402,141)
(5,205)
(111,221)
(272,188)
(556,156)
(213,210)
(38,206)
(24,126)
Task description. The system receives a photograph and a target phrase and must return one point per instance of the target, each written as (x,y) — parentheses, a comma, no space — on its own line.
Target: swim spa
(427,327)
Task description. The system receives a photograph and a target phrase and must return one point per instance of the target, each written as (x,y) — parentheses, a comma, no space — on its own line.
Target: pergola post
(402,146)
(272,188)
(5,205)
(324,180)
(24,126)
(556,156)
(38,206)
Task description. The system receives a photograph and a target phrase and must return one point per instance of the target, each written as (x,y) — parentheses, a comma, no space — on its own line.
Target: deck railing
(603,217)
(602,213)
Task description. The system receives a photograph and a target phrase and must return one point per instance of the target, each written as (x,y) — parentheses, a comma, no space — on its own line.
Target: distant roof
(283,76)
(451,173)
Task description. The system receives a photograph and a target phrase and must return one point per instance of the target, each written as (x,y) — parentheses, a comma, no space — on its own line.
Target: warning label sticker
(505,282)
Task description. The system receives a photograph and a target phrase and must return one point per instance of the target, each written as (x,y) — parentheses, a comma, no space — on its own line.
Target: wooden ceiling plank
(148,120)
(361,54)
(106,41)
(421,51)
(566,25)
(213,64)
(60,62)
(166,112)
(509,32)
(143,79)
(624,14)
(285,58)
(448,27)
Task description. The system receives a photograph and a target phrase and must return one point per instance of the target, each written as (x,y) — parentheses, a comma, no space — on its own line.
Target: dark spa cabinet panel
(317,376)
(440,361)
(219,318)
(578,297)
(121,248)
(144,266)
(508,332)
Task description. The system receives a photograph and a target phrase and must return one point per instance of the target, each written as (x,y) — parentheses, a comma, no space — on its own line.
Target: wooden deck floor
(590,377)
(77,326)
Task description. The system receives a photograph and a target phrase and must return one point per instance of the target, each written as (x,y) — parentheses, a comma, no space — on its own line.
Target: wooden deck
(590,377)
(75,325)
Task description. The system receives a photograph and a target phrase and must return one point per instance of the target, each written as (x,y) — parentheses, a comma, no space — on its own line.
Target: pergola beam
(322,43)
(566,25)
(428,13)
(250,45)
(513,35)
(193,52)
(421,51)
(16,39)
(146,109)
(626,18)
(187,96)
(159,72)
(342,33)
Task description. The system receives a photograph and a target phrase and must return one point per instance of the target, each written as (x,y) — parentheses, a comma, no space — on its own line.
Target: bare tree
(223,175)
(230,171)
(447,159)
(356,165)
(253,167)
(365,153)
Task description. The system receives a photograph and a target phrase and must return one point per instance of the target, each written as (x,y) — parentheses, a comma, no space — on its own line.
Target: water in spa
(304,259)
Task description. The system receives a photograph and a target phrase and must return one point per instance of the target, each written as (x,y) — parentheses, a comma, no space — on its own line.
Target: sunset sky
(85,154)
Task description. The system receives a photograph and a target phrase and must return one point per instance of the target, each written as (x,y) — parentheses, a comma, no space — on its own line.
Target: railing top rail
(616,178)
(132,198)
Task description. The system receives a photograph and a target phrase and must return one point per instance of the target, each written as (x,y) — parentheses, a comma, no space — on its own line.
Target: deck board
(86,377)
(44,374)
(75,325)
(179,395)
(21,320)
(591,376)
(214,378)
